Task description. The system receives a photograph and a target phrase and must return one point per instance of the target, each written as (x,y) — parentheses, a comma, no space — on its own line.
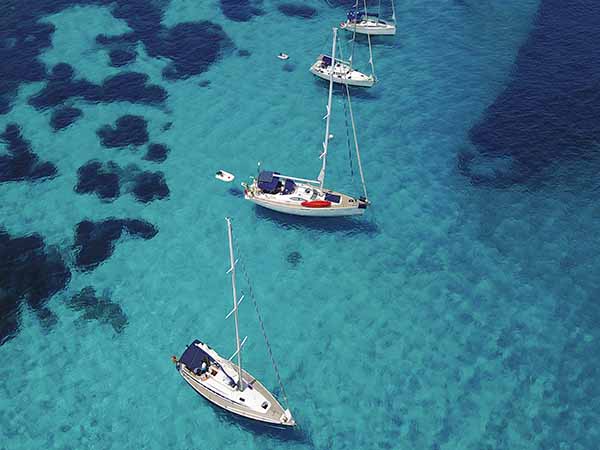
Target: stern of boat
(249,188)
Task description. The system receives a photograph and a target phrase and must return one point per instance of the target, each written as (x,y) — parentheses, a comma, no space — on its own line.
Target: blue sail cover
(193,356)
(358,15)
(355,15)
(332,198)
(289,187)
(268,181)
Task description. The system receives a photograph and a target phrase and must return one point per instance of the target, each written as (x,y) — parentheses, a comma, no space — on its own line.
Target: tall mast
(393,13)
(240,384)
(321,176)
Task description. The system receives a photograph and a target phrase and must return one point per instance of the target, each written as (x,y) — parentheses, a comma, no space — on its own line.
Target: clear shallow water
(456,314)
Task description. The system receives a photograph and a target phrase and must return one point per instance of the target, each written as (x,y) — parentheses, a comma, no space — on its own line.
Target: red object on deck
(317,204)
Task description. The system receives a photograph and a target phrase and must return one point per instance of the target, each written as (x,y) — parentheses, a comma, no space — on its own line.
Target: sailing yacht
(363,22)
(228,385)
(342,71)
(305,197)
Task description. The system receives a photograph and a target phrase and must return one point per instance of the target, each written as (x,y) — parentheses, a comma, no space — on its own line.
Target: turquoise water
(451,316)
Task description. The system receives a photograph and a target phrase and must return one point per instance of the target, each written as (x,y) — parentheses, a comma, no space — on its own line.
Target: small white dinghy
(224,176)
(283,56)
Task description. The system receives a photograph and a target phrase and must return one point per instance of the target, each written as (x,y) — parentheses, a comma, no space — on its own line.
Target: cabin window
(242,399)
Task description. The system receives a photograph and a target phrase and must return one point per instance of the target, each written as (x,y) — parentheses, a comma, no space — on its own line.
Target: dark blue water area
(21,163)
(120,57)
(95,241)
(99,308)
(127,86)
(108,181)
(348,4)
(190,47)
(30,273)
(297,10)
(64,117)
(294,258)
(549,112)
(540,138)
(150,186)
(157,153)
(241,10)
(104,181)
(128,130)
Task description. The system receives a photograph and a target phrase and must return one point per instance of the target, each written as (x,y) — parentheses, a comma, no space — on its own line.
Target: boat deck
(272,415)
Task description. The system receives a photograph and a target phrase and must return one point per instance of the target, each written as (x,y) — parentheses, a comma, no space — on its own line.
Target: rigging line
(369,40)
(348,137)
(360,170)
(340,49)
(371,57)
(262,326)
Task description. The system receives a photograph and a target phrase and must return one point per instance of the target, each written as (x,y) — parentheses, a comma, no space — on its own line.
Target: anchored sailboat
(304,197)
(363,22)
(226,384)
(342,71)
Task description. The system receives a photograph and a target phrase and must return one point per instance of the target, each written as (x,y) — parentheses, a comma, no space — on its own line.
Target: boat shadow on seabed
(331,224)
(357,91)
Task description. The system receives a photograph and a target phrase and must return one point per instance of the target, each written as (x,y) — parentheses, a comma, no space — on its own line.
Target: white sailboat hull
(308,212)
(342,74)
(296,202)
(213,387)
(371,27)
